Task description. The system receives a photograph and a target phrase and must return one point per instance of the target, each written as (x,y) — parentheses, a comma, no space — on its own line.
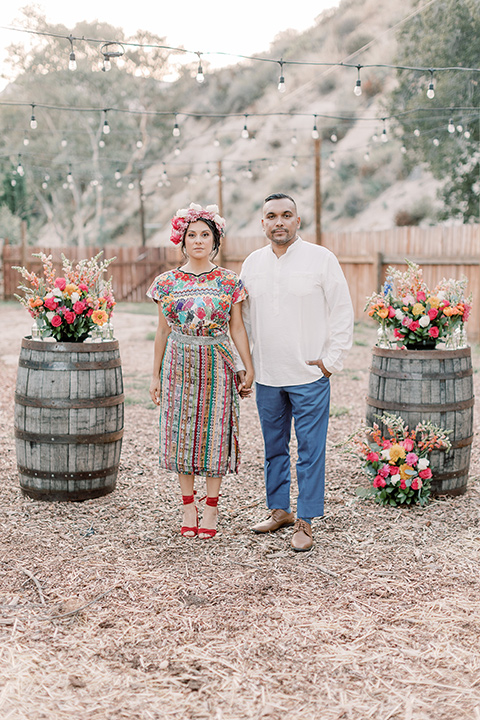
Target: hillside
(364,182)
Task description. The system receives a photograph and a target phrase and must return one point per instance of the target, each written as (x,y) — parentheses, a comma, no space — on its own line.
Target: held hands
(245,380)
(319,364)
(155,390)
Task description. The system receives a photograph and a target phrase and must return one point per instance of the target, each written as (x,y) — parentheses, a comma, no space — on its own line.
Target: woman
(194,380)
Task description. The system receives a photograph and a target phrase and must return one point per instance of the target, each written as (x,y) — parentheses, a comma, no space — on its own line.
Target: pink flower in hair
(185,216)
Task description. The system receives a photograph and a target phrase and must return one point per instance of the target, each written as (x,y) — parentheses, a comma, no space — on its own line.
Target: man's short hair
(280,196)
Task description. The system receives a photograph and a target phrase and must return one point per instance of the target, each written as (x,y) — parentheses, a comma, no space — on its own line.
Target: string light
(459,128)
(431,88)
(20,169)
(106,126)
(451,126)
(70,176)
(177,151)
(111,50)
(33,122)
(64,142)
(366,156)
(101,143)
(117,175)
(216,142)
(467,134)
(331,163)
(131,185)
(294,164)
(416,132)
(245,133)
(200,76)
(315,133)
(293,139)
(139,144)
(26,141)
(375,137)
(13,182)
(358,85)
(403,150)
(176,129)
(281,81)
(384,132)
(436,142)
(334,137)
(72,63)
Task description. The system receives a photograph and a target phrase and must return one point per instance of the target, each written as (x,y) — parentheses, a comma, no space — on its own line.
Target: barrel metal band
(65,475)
(64,348)
(70,404)
(98,439)
(464,442)
(422,375)
(435,407)
(60,365)
(439,477)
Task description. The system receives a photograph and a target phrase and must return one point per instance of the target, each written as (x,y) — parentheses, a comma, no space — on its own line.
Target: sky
(245,28)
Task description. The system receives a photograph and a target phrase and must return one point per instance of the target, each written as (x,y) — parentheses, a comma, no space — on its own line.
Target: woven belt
(198,339)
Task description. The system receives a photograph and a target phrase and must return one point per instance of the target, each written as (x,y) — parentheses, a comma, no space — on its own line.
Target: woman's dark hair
(215,233)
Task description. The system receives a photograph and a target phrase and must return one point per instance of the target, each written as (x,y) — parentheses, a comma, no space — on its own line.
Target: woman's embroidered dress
(199,402)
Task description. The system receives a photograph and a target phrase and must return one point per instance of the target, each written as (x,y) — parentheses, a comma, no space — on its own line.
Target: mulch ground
(107,613)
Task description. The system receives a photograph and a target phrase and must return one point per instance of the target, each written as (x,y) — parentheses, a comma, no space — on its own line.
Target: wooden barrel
(434,385)
(68,419)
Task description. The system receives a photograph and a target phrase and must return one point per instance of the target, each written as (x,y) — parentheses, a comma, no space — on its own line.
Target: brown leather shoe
(278,519)
(302,539)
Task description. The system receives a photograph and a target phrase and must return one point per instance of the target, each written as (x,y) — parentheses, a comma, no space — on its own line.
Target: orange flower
(37,302)
(403,471)
(418,309)
(433,301)
(383,313)
(71,288)
(99,317)
(396,452)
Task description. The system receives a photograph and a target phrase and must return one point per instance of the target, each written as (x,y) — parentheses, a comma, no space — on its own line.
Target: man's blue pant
(309,405)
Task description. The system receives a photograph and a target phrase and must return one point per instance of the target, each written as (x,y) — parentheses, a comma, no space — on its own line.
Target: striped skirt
(199,407)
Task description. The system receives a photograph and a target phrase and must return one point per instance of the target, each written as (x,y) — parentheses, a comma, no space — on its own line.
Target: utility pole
(142,208)
(317,149)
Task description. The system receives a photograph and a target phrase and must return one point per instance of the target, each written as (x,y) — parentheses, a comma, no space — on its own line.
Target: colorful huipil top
(199,407)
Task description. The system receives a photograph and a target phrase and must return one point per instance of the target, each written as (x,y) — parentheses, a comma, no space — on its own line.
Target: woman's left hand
(322,367)
(245,381)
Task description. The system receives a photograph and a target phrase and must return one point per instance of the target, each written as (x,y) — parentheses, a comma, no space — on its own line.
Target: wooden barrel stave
(68,419)
(433,385)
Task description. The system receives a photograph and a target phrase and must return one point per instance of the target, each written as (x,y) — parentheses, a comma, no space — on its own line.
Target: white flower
(213,209)
(50,315)
(394,479)
(219,220)
(424,321)
(423,463)
(194,206)
(49,295)
(182,212)
(58,293)
(399,314)
(74,297)
(385,454)
(441,295)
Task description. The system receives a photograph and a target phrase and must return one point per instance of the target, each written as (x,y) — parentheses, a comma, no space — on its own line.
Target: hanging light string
(115,48)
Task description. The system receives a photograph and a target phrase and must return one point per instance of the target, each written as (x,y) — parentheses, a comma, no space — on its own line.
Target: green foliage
(445,34)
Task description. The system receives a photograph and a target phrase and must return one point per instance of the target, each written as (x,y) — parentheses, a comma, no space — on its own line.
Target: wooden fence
(441,251)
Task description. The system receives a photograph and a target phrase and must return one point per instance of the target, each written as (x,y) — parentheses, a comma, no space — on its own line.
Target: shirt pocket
(301,283)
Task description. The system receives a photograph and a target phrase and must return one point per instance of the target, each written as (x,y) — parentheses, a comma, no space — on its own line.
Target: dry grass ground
(107,613)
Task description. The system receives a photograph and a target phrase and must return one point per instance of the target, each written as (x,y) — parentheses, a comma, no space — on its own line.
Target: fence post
(378,270)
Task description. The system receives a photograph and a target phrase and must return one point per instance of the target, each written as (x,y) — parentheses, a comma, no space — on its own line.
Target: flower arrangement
(416,315)
(398,465)
(69,307)
(185,216)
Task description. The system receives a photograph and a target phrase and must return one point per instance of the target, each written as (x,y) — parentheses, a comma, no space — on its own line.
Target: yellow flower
(403,471)
(433,301)
(396,452)
(71,288)
(418,309)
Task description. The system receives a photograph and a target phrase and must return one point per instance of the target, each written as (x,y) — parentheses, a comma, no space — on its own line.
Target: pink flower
(414,325)
(421,297)
(403,485)
(373,457)
(408,444)
(392,469)
(416,484)
(425,474)
(432,313)
(391,311)
(385,471)
(50,303)
(433,332)
(90,312)
(79,307)
(56,321)
(83,287)
(387,444)
(398,334)
(61,283)
(379,482)
(411,458)
(69,316)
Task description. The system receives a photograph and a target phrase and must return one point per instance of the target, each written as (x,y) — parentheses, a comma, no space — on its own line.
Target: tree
(445,34)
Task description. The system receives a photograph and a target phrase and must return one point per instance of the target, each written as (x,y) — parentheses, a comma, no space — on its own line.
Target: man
(299,318)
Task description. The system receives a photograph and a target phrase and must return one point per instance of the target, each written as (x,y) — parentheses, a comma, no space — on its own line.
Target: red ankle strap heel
(212,501)
(209,532)
(188,500)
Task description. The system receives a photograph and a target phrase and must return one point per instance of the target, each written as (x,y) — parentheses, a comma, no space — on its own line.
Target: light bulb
(44,185)
(33,123)
(177,151)
(106,127)
(331,163)
(118,175)
(384,136)
(431,91)
(20,169)
(72,63)
(107,65)
(315,133)
(293,140)
(13,182)
(467,134)
(451,126)
(436,142)
(26,141)
(70,178)
(101,143)
(200,76)
(403,150)
(459,128)
(176,130)
(333,137)
(366,156)
(357,90)
(64,143)
(245,134)
(139,144)
(216,142)
(281,84)
(131,186)
(375,137)
(47,177)
(65,186)
(118,183)
(416,132)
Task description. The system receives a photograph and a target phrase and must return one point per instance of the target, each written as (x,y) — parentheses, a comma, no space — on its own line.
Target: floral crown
(185,216)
